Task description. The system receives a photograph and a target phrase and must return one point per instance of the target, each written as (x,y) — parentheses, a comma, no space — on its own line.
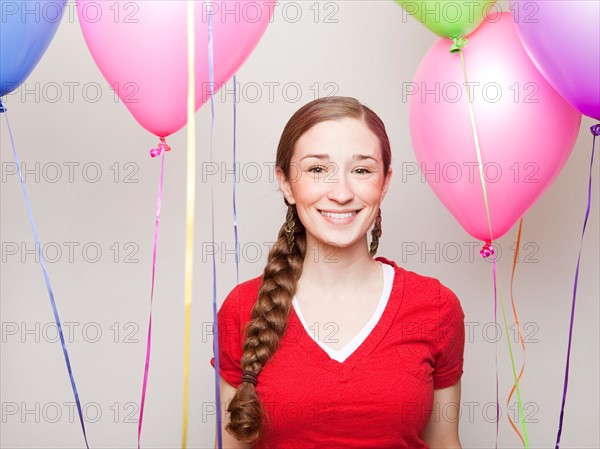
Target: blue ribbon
(212,206)
(46,278)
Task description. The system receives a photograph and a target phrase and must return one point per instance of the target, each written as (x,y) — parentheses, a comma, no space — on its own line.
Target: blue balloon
(26,29)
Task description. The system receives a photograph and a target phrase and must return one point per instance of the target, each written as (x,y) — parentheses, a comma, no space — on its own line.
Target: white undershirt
(342,354)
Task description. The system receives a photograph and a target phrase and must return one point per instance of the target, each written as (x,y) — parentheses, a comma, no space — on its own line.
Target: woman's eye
(364,170)
(316,167)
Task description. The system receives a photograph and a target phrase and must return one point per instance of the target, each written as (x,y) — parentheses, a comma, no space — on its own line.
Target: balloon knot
(487,250)
(457,44)
(594,129)
(2,108)
(162,146)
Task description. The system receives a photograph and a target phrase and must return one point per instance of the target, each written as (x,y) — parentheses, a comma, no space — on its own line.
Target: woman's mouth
(339,217)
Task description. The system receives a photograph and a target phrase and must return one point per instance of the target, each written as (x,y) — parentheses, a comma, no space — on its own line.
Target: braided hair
(270,313)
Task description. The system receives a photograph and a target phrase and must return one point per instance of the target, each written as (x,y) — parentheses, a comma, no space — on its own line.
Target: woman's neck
(334,270)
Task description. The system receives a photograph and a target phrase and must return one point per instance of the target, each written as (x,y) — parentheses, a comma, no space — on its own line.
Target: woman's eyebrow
(356,156)
(361,157)
(317,156)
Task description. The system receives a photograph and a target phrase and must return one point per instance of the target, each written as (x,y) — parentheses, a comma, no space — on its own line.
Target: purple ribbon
(46,279)
(237,258)
(595,130)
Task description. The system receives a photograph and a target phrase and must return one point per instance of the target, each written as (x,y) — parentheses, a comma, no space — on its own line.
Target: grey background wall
(365,49)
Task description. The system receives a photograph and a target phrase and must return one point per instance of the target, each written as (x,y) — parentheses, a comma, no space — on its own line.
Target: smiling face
(337,182)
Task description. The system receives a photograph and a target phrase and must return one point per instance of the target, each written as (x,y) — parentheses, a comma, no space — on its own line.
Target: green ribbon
(457,44)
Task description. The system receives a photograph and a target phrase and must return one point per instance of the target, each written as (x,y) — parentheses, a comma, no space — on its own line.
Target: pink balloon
(526,129)
(141,49)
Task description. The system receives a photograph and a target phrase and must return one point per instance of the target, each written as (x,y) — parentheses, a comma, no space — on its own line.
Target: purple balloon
(562,38)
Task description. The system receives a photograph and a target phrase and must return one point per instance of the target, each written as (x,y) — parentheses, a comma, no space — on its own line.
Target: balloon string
(46,278)
(162,147)
(595,132)
(512,361)
(457,45)
(496,346)
(475,135)
(525,440)
(190,201)
(235,231)
(211,76)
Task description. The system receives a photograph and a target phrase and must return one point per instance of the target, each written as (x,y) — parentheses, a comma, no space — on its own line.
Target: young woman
(331,347)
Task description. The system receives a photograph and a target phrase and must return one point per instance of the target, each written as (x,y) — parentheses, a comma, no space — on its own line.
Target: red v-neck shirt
(381,396)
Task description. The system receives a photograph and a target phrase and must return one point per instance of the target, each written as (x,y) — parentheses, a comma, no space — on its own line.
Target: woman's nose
(340,188)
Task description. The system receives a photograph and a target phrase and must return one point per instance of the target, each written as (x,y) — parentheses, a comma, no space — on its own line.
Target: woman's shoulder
(411,278)
(245,288)
(423,287)
(241,298)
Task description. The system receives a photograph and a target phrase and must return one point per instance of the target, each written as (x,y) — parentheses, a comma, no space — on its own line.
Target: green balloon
(450,18)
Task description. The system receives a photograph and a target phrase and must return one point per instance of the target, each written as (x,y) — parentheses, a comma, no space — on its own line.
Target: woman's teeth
(339,216)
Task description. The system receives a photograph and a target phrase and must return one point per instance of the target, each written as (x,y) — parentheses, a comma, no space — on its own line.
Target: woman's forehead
(346,138)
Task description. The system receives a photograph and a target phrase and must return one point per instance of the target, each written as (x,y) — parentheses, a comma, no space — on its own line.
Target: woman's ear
(284,186)
(386,183)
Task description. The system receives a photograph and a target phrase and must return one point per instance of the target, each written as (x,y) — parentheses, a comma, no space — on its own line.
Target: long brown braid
(285,261)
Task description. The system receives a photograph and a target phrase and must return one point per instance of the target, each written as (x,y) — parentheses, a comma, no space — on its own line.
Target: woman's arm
(442,430)
(229,441)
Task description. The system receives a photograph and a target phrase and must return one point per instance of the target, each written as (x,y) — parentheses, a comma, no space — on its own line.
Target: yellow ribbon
(190,201)
(475,136)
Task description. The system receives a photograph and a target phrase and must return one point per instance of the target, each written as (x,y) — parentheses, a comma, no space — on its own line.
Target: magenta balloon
(141,49)
(526,129)
(563,40)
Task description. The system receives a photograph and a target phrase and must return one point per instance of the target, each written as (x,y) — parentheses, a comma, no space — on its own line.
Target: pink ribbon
(162,147)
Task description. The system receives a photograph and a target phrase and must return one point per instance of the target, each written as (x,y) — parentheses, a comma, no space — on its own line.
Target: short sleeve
(230,338)
(450,342)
